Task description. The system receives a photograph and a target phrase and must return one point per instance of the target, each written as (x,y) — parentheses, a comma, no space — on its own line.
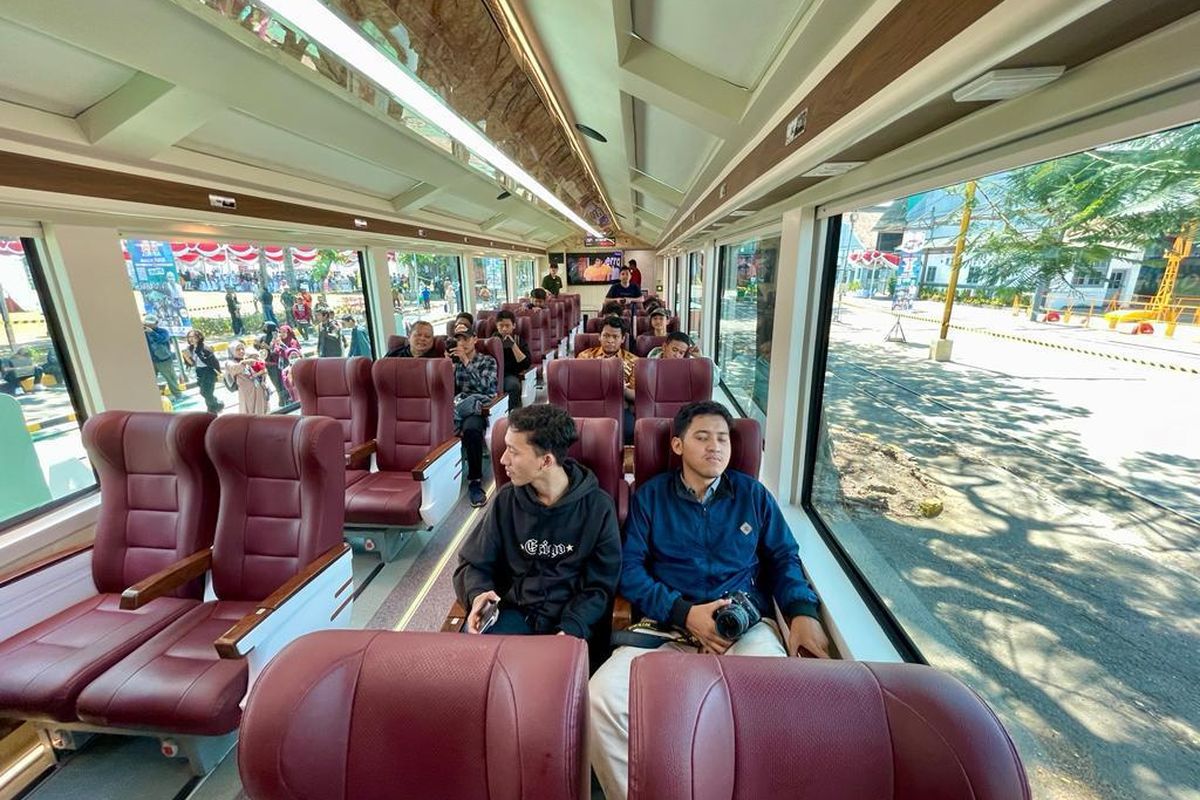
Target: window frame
(33,260)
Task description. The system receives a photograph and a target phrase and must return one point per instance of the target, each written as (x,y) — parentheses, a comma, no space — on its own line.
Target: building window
(224,322)
(746,306)
(489,278)
(41,447)
(425,286)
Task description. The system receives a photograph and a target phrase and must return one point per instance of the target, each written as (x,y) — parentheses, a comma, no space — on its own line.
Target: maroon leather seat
(485,327)
(699,726)
(493,347)
(594,324)
(652,448)
(395,341)
(598,448)
(586,341)
(340,388)
(158,504)
(663,386)
(539,334)
(588,387)
(647,342)
(643,324)
(415,399)
(280,509)
(460,717)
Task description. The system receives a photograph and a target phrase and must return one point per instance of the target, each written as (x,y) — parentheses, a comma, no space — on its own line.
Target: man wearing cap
(552,283)
(474,385)
(158,342)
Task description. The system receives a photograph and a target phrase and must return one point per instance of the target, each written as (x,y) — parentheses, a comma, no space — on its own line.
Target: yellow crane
(1181,249)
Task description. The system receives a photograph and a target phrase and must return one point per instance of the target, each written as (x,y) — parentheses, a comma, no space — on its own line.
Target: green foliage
(216,328)
(1070,216)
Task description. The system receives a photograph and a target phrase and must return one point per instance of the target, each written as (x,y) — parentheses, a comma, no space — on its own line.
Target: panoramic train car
(599,399)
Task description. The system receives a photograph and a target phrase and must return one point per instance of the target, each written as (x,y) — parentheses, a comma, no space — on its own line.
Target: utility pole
(941,349)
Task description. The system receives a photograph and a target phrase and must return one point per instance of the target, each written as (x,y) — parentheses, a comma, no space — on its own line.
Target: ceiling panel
(723,38)
(50,75)
(652,204)
(243,138)
(668,148)
(460,209)
(515,227)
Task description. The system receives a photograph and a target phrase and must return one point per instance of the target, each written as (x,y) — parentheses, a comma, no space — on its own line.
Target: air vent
(591,133)
(1005,84)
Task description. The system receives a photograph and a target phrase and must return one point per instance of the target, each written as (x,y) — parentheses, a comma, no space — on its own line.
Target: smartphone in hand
(488,615)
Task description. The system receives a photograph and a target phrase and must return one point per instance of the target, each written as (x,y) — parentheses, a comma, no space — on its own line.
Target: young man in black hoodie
(549,550)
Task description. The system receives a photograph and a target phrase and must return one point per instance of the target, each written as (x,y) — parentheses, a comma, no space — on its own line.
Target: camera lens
(732,621)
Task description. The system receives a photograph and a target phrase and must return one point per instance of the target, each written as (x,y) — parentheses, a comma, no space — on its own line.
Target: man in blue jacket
(694,537)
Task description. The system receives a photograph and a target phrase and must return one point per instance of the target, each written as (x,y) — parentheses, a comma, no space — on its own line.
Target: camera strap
(648,635)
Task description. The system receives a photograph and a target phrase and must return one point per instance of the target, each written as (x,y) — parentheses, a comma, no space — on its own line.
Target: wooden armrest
(360,451)
(166,580)
(456,618)
(17,573)
(622,614)
(227,643)
(432,456)
(487,407)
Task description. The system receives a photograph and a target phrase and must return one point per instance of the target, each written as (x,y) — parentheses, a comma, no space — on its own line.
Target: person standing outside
(551,282)
(360,343)
(158,342)
(329,334)
(449,294)
(425,295)
(235,311)
(268,309)
(202,359)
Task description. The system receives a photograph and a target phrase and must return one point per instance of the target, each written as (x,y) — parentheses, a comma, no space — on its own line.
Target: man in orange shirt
(612,345)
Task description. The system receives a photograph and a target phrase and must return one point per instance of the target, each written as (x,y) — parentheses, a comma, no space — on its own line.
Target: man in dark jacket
(516,356)
(549,550)
(693,537)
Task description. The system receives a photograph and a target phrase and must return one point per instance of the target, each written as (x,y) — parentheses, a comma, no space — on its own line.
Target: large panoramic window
(693,303)
(746,306)
(1016,473)
(424,287)
(489,276)
(525,276)
(40,444)
(224,322)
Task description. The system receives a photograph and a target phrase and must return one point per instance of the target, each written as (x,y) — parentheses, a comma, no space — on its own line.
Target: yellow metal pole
(956,260)
(1087,321)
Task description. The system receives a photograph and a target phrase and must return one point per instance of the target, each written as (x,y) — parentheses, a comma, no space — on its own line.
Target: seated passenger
(419,345)
(464,322)
(474,385)
(698,539)
(677,345)
(549,550)
(611,308)
(612,345)
(625,288)
(516,356)
(537,299)
(660,318)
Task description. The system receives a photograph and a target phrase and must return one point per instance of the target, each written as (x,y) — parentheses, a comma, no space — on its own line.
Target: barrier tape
(1053,345)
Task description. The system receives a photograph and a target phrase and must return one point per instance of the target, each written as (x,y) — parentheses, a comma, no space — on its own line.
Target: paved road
(1072,605)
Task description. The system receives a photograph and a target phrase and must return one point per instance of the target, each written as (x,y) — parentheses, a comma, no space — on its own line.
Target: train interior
(935,257)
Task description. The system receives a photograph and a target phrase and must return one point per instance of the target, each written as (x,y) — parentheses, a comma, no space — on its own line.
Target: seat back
(539,333)
(663,386)
(643,324)
(586,341)
(282,499)
(647,342)
(587,387)
(439,345)
(415,397)
(158,494)
(558,325)
(485,327)
(463,717)
(652,448)
(524,329)
(339,388)
(698,727)
(598,448)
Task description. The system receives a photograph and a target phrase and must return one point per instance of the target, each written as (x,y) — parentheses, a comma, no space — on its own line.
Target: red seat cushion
(384,498)
(44,668)
(175,681)
(355,475)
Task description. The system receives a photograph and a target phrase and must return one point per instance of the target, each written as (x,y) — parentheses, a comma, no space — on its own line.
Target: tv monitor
(599,241)
(584,269)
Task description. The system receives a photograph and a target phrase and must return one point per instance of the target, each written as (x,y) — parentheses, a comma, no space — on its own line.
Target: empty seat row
(253,503)
(401,412)
(513,722)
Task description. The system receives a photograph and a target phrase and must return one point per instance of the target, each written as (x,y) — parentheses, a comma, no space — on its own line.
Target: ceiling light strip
(526,51)
(328,29)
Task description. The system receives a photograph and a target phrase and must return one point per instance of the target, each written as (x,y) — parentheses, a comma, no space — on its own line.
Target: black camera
(739,616)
